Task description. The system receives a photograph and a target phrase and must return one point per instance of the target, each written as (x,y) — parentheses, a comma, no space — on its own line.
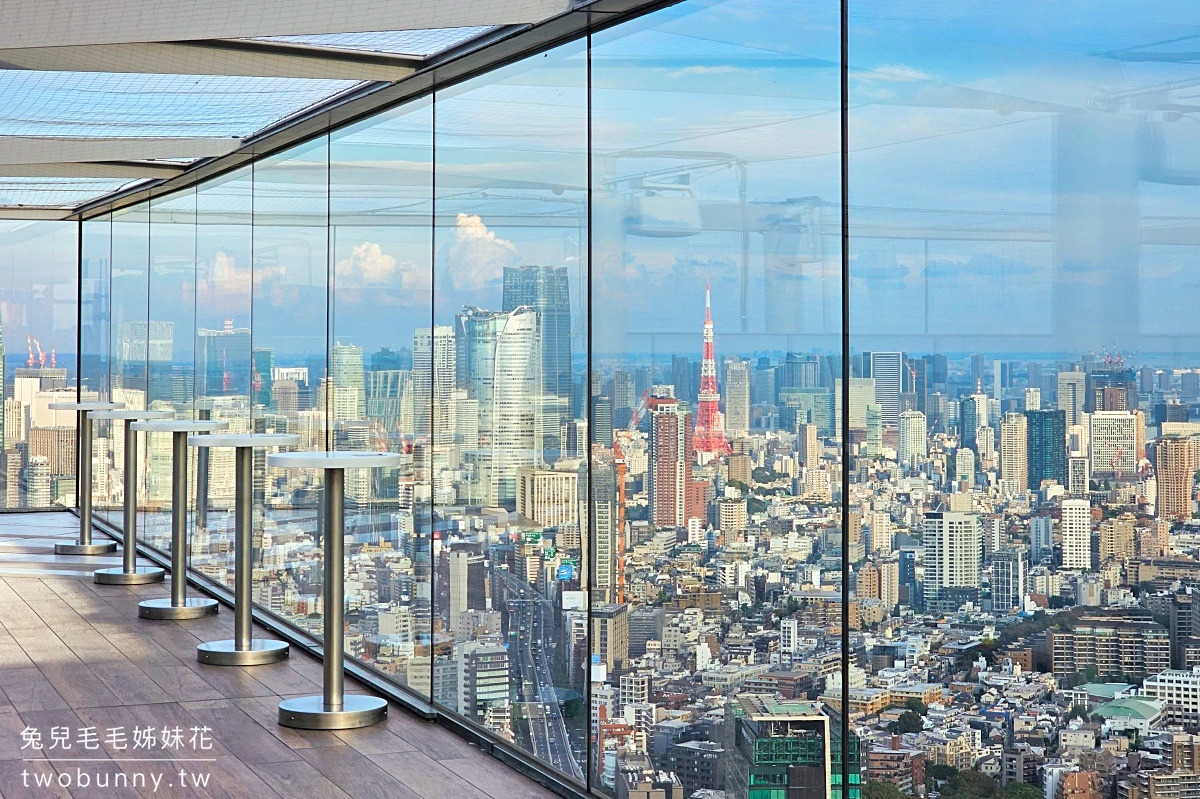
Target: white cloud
(700,70)
(368,265)
(477,257)
(893,72)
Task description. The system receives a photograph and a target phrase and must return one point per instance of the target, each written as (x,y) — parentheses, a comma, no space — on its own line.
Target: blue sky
(1001,187)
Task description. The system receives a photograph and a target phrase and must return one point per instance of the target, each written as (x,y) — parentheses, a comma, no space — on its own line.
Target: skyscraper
(737,398)
(1077,534)
(262,361)
(710,427)
(953,552)
(1175,462)
(972,414)
(223,367)
(349,377)
(1115,439)
(808,446)
(500,365)
(433,383)
(1047,447)
(1014,453)
(886,369)
(911,448)
(546,290)
(1071,390)
(670,466)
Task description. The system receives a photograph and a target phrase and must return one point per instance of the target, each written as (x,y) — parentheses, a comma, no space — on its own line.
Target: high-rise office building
(887,370)
(670,464)
(1033,399)
(262,364)
(515,406)
(433,383)
(1116,440)
(953,553)
(1175,468)
(737,398)
(223,365)
(546,290)
(1014,453)
(1046,447)
(1076,529)
(972,415)
(912,439)
(349,376)
(1071,395)
(1112,389)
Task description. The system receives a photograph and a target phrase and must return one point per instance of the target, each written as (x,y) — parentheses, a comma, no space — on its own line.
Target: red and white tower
(710,426)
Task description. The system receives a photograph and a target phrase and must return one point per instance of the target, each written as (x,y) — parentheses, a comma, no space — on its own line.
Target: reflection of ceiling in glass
(422,43)
(54,192)
(120,124)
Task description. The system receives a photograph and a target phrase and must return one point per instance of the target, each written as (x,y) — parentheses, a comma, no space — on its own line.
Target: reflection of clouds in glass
(477,257)
(219,280)
(369,275)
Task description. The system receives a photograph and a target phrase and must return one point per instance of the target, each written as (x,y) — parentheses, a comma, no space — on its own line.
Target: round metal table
(129,573)
(179,605)
(83,479)
(242,649)
(333,709)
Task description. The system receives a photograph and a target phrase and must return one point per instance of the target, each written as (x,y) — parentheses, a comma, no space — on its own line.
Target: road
(531,617)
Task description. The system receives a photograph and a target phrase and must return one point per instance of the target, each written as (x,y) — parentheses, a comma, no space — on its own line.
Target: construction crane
(639,410)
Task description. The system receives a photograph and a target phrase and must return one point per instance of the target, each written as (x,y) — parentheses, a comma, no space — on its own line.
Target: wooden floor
(74,655)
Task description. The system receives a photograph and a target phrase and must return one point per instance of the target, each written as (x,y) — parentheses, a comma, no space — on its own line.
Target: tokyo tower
(710,427)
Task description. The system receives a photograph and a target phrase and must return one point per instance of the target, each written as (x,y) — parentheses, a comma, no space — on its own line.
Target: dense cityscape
(650,590)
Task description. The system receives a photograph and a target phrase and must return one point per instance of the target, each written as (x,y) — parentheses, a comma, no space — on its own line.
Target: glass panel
(716,370)
(38,286)
(129,336)
(170,349)
(498,398)
(95,305)
(1024,183)
(289,343)
(381,193)
(222,347)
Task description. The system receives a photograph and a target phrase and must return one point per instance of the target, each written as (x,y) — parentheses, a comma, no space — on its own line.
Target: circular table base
(139,576)
(101,548)
(192,608)
(309,713)
(223,653)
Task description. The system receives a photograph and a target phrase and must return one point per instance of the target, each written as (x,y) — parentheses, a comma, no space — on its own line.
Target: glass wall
(668,510)
(716,370)
(288,341)
(508,349)
(38,331)
(381,295)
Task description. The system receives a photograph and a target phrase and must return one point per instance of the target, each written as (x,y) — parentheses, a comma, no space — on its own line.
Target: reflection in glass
(38,286)
(287,382)
(717,585)
(222,359)
(498,387)
(171,379)
(381,202)
(131,337)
